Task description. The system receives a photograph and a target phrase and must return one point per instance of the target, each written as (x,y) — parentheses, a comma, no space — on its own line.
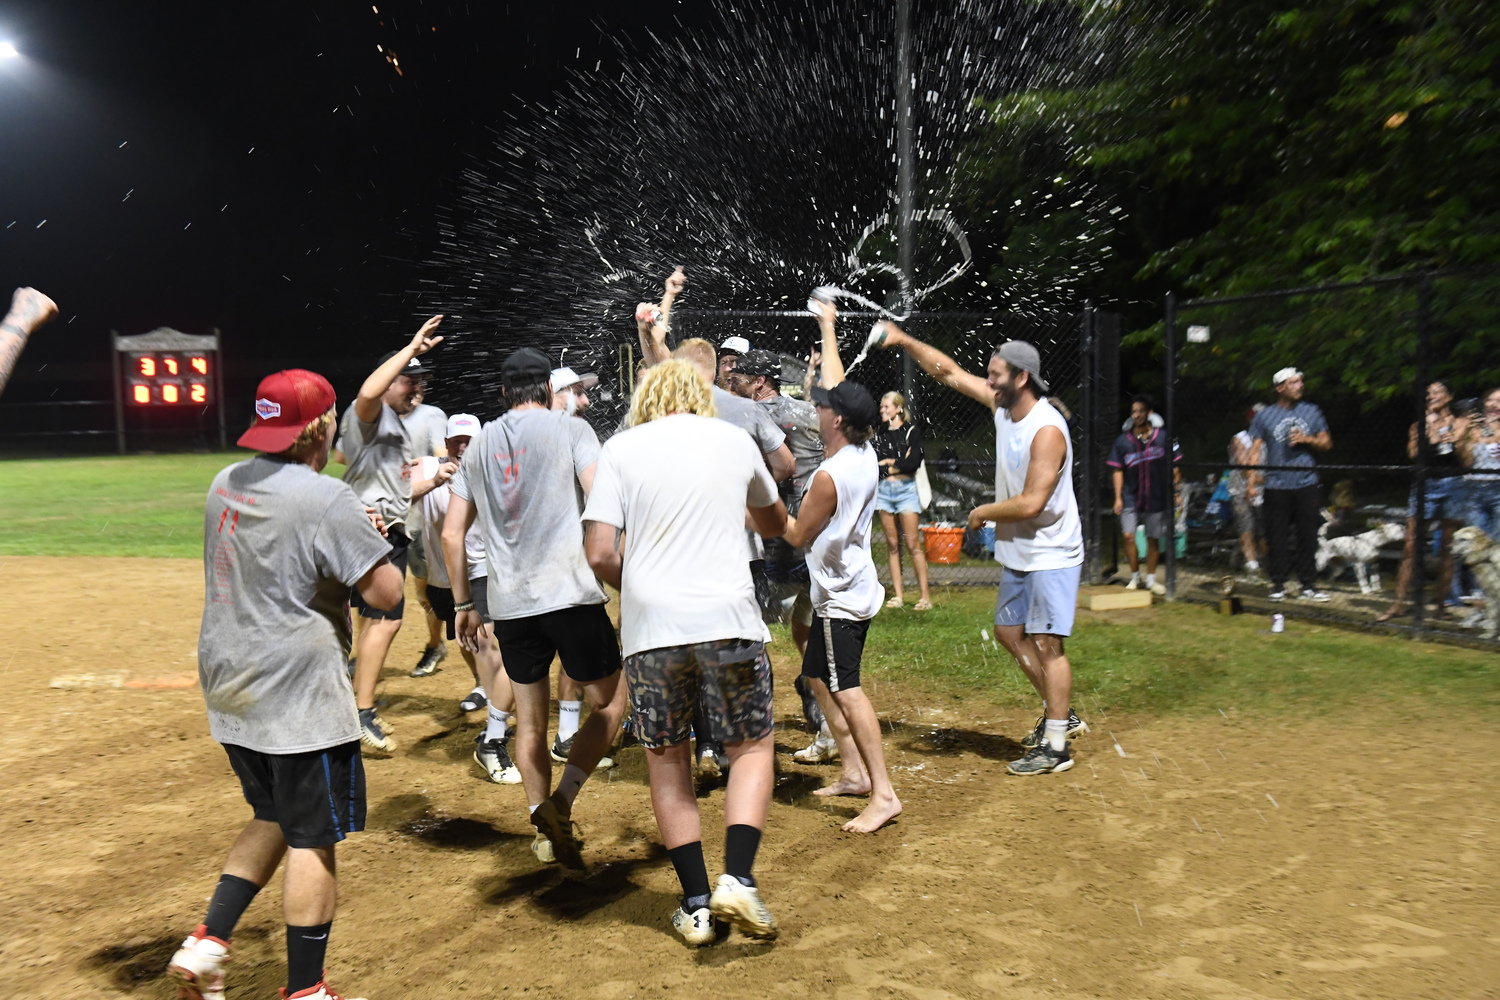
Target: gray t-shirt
(428,428)
(521,473)
(1274,425)
(751,418)
(798,419)
(379,457)
(282,545)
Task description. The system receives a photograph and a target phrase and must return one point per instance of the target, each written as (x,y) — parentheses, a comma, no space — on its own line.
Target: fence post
(1170,429)
(1420,461)
(219,387)
(1088,386)
(115,379)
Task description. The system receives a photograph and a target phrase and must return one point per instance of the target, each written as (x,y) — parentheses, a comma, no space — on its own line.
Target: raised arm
(367,403)
(651,327)
(937,364)
(833,365)
(1048,452)
(671,288)
(29,310)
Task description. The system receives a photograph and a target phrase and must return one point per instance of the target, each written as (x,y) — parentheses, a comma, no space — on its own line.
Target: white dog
(1361,551)
(1482,556)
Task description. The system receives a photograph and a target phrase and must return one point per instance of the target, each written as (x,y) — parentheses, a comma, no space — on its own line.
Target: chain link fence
(1369,354)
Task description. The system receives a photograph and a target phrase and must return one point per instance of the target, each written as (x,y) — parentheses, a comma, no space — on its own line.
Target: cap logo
(414,363)
(265,409)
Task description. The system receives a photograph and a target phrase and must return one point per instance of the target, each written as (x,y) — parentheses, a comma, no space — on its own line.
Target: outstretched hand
(423,341)
(30,309)
(676,281)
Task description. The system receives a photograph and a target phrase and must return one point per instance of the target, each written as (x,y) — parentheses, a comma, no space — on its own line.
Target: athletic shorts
(581,636)
(1043,600)
(441,599)
(729,678)
(317,797)
(1247,517)
(416,557)
(898,496)
(400,548)
(1155,522)
(834,649)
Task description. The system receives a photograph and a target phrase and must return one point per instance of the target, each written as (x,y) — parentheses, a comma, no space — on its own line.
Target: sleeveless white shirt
(844,584)
(1054,538)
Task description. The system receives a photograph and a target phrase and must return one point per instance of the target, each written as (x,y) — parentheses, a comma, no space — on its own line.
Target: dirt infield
(1221,857)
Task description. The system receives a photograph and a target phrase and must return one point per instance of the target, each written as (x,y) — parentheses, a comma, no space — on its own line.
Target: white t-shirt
(1054,538)
(844,584)
(434,508)
(679,486)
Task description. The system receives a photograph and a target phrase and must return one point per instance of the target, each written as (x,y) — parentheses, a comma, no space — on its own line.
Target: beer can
(648,314)
(823,295)
(1278,623)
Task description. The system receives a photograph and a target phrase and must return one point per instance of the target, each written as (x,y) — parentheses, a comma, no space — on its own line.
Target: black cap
(849,400)
(759,363)
(526,364)
(414,367)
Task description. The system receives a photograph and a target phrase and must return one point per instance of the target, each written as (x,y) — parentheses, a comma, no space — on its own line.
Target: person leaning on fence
(899,448)
(1289,431)
(1246,503)
(1443,500)
(1140,464)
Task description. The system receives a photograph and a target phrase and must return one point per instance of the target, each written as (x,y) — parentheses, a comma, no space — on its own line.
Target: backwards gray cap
(1020,354)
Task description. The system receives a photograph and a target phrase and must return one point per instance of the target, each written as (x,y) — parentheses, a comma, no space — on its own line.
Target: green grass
(139,505)
(1179,657)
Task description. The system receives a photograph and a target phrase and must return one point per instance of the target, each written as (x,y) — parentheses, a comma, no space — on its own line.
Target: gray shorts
(1043,600)
(1156,523)
(416,559)
(1246,517)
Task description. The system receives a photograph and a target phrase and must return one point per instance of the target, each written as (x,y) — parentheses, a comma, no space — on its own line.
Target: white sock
(1135,576)
(497,725)
(532,809)
(1253,565)
(1150,579)
(1057,733)
(567,718)
(573,778)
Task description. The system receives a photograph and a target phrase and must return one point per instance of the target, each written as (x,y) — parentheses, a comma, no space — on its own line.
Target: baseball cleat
(696,928)
(431,657)
(318,992)
(821,749)
(1076,728)
(198,966)
(372,731)
(495,759)
(562,747)
(741,905)
(551,819)
(542,848)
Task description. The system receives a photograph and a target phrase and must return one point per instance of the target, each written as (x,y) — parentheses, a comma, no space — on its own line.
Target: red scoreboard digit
(159,378)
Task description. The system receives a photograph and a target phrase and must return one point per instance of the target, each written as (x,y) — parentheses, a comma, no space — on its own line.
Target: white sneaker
(1159,590)
(696,928)
(1316,596)
(542,848)
(741,905)
(198,966)
(821,749)
(1134,584)
(318,992)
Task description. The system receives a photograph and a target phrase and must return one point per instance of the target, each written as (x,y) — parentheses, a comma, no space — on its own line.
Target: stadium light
(8,51)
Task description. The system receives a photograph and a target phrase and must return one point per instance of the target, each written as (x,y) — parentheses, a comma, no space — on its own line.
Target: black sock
(691,871)
(306,947)
(740,844)
(231,897)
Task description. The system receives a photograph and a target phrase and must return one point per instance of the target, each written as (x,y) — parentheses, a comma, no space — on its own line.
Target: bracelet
(465,606)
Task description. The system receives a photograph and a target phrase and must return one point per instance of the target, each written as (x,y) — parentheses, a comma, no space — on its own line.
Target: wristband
(465,606)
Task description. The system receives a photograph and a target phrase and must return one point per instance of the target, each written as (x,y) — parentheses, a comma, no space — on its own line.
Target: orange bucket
(943,543)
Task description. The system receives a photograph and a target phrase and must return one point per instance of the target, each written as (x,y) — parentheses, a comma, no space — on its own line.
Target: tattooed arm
(29,311)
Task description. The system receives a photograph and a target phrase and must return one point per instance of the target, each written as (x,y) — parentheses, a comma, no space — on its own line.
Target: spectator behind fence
(1246,502)
(1140,473)
(1289,431)
(1481,453)
(1443,498)
(899,448)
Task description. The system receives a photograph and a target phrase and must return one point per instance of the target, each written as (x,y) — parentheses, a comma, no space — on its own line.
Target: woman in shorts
(899,448)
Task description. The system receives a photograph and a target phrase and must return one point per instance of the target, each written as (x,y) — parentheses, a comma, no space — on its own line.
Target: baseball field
(1306,814)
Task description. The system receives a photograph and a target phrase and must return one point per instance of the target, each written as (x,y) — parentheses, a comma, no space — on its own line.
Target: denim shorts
(1445,499)
(898,496)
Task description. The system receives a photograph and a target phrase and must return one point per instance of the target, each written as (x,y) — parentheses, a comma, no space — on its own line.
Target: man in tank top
(1038,536)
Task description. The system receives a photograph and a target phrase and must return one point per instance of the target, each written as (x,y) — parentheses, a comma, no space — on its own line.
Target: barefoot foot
(878,813)
(847,785)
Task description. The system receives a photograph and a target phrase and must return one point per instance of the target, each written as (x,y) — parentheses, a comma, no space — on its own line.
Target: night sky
(259,168)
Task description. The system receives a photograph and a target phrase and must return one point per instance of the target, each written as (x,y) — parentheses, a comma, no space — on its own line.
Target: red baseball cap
(285,403)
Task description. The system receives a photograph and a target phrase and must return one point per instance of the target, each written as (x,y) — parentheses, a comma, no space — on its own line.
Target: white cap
(739,345)
(462,425)
(562,378)
(1285,374)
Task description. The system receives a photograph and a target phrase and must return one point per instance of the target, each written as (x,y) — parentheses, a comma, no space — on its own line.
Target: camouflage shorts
(733,676)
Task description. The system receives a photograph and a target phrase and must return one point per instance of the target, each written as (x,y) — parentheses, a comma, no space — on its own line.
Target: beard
(1006,395)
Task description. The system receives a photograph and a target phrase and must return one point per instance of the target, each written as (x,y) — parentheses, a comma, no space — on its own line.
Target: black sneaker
(1041,759)
(562,747)
(495,759)
(1076,728)
(431,657)
(473,701)
(372,731)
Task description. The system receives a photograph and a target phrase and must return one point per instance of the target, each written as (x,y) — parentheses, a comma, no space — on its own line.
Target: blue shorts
(898,496)
(1043,600)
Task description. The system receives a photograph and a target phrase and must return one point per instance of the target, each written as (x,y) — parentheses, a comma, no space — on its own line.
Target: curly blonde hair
(311,433)
(674,386)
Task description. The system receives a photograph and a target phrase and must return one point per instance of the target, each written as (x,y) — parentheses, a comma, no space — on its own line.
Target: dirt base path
(1220,857)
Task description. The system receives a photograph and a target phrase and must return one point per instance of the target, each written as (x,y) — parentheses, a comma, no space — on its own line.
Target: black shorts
(317,797)
(834,649)
(581,635)
(399,550)
(441,599)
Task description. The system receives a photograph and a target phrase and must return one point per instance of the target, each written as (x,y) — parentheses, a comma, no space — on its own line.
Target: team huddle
(709,499)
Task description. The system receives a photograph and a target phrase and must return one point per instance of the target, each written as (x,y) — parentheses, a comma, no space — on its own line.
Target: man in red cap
(282,547)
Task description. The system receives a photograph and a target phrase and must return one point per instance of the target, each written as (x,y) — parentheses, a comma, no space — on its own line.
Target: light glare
(8,51)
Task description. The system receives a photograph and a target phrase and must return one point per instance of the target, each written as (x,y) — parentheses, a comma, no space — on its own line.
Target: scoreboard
(170,378)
